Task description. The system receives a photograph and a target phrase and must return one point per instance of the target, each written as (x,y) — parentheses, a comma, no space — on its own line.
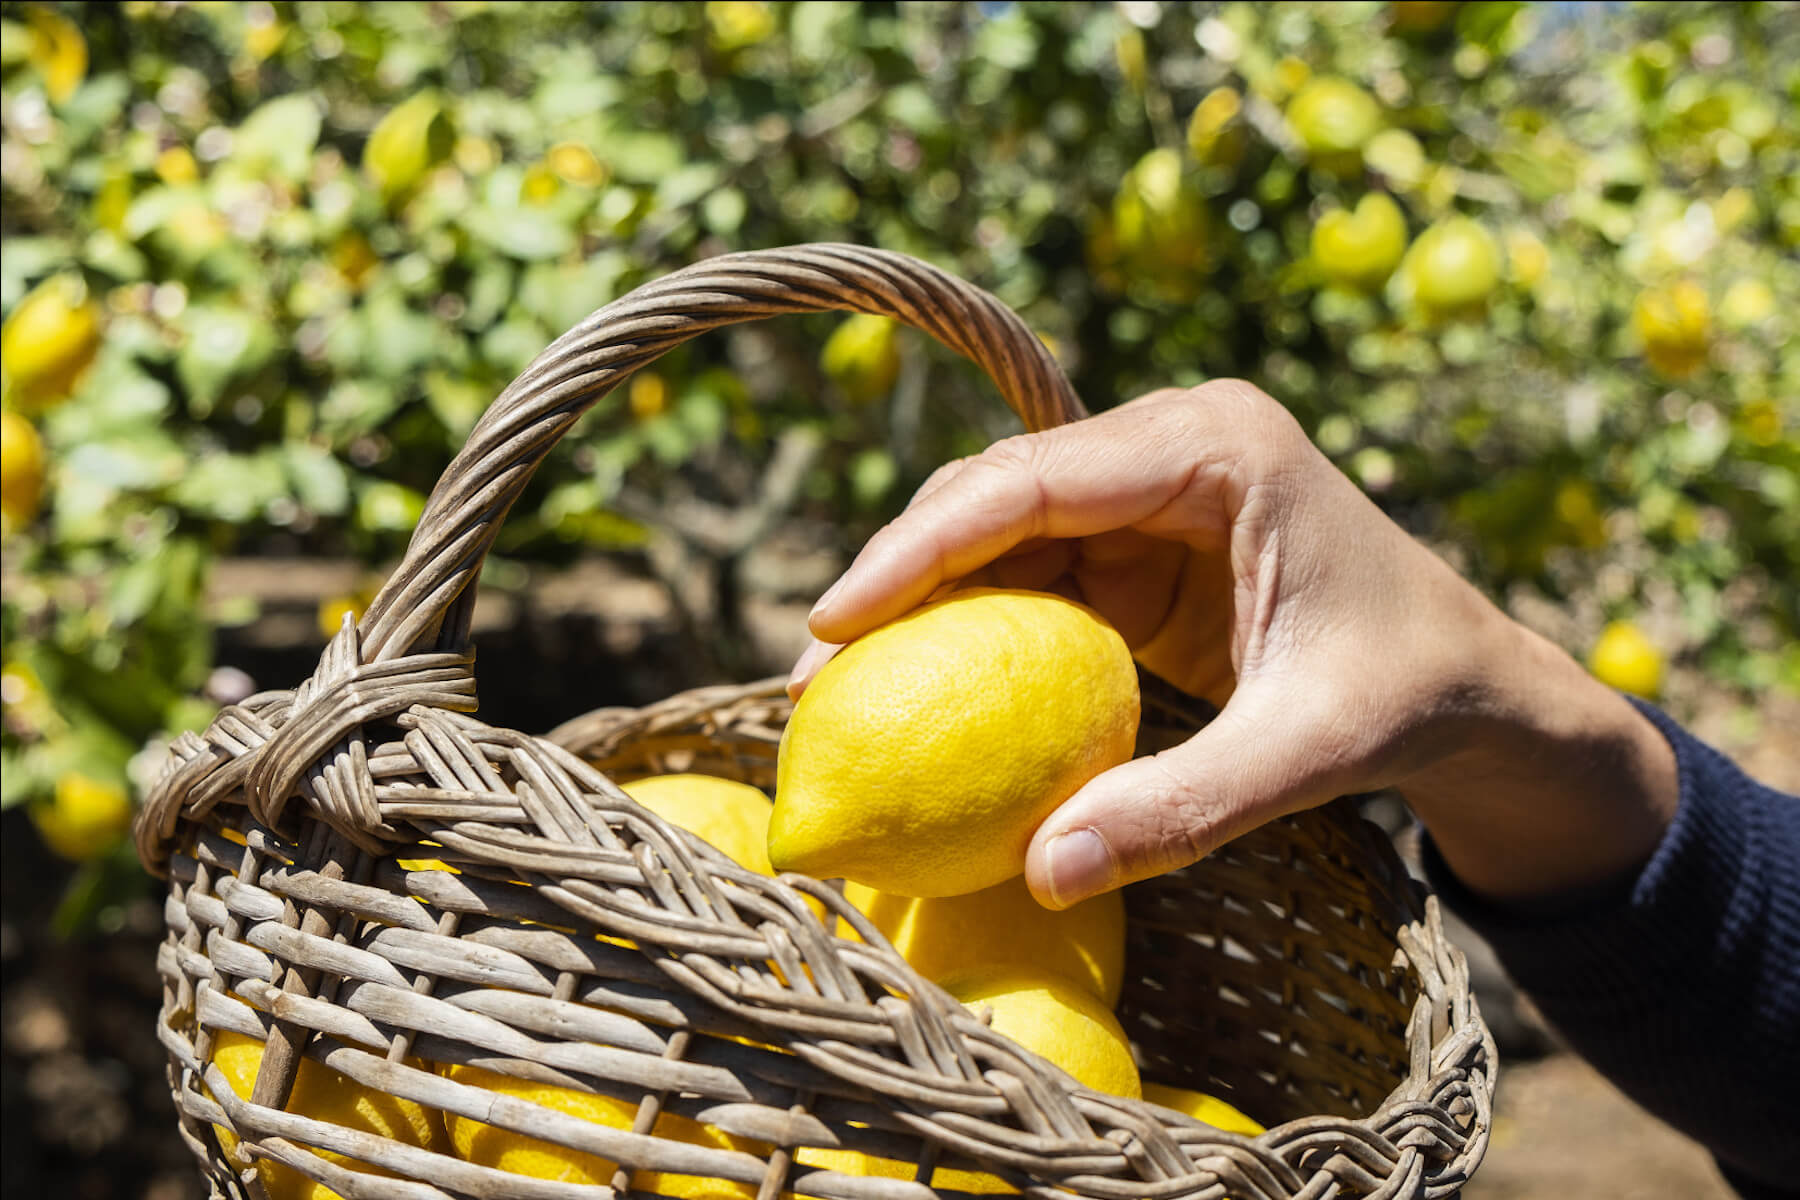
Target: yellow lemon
(491,1146)
(1333,116)
(862,356)
(1202,1107)
(1056,1019)
(21,469)
(648,393)
(1004,924)
(922,758)
(733,816)
(84,818)
(1453,265)
(58,51)
(854,1162)
(1215,134)
(1623,657)
(325,1095)
(1675,323)
(1160,226)
(1747,302)
(48,340)
(1360,249)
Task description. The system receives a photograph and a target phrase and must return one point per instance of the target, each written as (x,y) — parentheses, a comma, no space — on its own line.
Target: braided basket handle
(411,649)
(426,604)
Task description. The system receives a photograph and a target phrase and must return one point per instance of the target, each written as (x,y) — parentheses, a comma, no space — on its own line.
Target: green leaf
(232,487)
(521,233)
(319,480)
(222,345)
(280,137)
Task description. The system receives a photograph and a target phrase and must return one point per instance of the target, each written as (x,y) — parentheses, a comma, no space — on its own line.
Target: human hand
(1241,566)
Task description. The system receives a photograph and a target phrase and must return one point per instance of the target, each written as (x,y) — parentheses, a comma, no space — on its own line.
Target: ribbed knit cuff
(1660,918)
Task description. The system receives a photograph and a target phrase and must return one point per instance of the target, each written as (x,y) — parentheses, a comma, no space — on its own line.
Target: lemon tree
(264,266)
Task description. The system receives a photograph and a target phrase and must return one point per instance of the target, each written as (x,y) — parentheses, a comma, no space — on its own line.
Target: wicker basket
(1297,972)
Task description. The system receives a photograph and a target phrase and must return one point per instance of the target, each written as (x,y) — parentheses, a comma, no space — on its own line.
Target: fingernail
(825,600)
(1080,866)
(816,655)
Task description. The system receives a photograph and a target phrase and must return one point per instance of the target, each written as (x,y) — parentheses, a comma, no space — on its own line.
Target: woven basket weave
(585,942)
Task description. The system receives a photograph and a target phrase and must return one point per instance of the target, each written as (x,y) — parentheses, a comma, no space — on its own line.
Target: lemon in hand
(733,816)
(1057,1020)
(1004,924)
(921,759)
(1202,1107)
(534,1158)
(324,1095)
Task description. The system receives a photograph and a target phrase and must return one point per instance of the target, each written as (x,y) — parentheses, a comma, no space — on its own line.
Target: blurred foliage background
(1527,272)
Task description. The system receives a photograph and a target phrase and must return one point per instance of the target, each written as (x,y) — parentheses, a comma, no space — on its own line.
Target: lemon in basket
(1003,924)
(1202,1107)
(1056,1019)
(854,1162)
(921,759)
(323,1095)
(520,1154)
(733,816)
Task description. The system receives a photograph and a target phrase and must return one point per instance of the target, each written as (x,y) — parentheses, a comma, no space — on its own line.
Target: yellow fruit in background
(733,816)
(48,340)
(1675,323)
(1527,258)
(1159,224)
(1360,249)
(85,818)
(1004,924)
(1747,302)
(922,757)
(1453,265)
(491,1146)
(1333,116)
(1625,658)
(58,51)
(862,356)
(1215,135)
(648,395)
(1398,156)
(22,469)
(1202,1107)
(575,163)
(325,1095)
(1056,1019)
(734,24)
(411,139)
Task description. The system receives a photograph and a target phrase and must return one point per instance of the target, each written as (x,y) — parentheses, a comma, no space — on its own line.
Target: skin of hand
(1241,566)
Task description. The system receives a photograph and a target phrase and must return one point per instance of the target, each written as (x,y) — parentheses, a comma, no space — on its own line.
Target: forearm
(1559,786)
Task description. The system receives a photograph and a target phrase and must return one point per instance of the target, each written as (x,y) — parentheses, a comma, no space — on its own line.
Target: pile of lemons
(916,767)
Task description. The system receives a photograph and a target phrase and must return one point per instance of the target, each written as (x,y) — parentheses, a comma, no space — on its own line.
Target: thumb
(1264,756)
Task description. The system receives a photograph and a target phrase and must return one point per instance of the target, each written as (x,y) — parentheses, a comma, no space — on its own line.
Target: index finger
(1165,467)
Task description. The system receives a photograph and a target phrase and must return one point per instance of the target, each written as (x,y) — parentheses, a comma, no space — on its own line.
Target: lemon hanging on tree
(85,817)
(21,470)
(1675,324)
(862,356)
(921,759)
(1453,267)
(1625,658)
(49,339)
(1360,249)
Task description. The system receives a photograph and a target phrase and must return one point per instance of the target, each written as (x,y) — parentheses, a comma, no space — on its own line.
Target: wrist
(1554,784)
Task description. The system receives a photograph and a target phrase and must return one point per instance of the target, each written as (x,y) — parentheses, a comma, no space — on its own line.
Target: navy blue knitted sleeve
(1682,985)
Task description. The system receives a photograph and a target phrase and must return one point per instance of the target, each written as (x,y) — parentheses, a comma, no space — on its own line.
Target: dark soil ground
(86,1111)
